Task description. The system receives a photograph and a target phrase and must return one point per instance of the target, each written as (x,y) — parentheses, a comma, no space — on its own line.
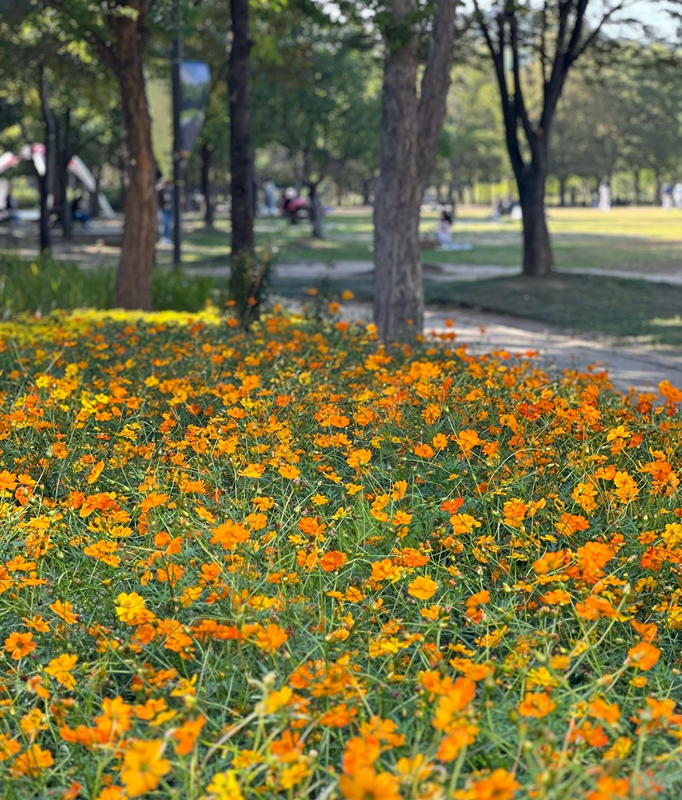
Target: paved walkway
(640,367)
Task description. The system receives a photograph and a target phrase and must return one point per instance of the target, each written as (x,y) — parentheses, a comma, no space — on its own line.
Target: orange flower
(65,611)
(643,655)
(626,487)
(271,638)
(19,645)
(187,734)
(499,785)
(8,481)
(536,705)
(32,762)
(153,500)
(422,588)
(467,440)
(423,451)
(95,472)
(359,458)
(143,766)
(571,523)
(367,784)
(333,560)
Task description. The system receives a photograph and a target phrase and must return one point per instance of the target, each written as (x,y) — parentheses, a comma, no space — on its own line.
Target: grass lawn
(637,239)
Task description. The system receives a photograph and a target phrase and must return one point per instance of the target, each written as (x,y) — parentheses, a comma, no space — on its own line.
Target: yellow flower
(224,786)
(129,607)
(60,669)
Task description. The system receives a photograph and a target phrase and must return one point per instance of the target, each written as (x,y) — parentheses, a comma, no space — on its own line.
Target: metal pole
(176,59)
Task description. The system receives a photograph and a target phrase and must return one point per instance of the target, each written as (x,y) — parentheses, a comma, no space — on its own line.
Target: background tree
(241,153)
(118,32)
(554,35)
(411,123)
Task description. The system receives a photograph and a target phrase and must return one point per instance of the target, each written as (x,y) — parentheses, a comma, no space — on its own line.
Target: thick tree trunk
(398,289)
(45,181)
(241,155)
(410,128)
(538,259)
(134,279)
(206,156)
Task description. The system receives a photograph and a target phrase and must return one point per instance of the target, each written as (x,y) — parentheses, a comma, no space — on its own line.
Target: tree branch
(595,33)
(508,112)
(519,102)
(435,82)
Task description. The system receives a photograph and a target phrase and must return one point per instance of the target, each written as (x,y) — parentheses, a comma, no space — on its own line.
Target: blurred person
(604,196)
(444,232)
(165,201)
(269,190)
(78,214)
(676,195)
(667,196)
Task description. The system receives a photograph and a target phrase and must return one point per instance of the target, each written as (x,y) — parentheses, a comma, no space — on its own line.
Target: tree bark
(134,278)
(45,182)
(367,192)
(63,156)
(241,154)
(410,128)
(315,211)
(538,259)
(206,156)
(94,197)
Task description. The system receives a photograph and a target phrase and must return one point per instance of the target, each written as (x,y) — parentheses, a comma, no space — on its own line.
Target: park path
(641,367)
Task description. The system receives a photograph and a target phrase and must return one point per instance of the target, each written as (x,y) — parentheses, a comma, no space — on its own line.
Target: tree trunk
(241,155)
(367,192)
(562,192)
(94,197)
(134,278)
(410,129)
(63,156)
(45,181)
(206,156)
(658,198)
(315,211)
(636,186)
(398,289)
(538,259)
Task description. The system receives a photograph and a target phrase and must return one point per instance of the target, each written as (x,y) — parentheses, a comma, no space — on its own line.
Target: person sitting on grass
(77,213)
(444,231)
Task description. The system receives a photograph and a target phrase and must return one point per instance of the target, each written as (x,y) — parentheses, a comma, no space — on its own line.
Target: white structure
(36,153)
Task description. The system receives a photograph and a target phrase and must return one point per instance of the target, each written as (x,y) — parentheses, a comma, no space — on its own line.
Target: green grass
(630,239)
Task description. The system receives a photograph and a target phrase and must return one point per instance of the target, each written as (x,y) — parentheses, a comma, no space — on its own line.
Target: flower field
(295,564)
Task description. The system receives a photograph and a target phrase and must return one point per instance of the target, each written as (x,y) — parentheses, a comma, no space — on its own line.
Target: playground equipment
(36,154)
